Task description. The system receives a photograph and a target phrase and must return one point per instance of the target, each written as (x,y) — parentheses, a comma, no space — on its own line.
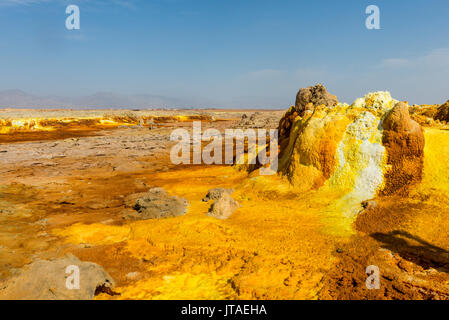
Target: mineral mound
(404,141)
(368,148)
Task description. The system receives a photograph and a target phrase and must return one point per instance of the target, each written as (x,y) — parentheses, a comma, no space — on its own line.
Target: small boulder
(216,193)
(49,280)
(224,207)
(156,204)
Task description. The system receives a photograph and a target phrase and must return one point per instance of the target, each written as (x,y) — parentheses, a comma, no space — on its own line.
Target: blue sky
(226,53)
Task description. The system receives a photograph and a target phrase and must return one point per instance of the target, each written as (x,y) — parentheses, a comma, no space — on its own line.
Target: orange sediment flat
(46,135)
(34,129)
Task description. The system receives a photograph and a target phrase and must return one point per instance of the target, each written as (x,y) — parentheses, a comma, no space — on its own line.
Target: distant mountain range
(102,100)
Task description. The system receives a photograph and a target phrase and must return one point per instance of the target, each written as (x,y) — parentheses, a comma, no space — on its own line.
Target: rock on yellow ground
(274,246)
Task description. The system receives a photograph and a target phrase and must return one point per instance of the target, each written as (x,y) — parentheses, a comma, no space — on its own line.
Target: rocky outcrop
(307,99)
(156,204)
(443,112)
(398,119)
(50,280)
(257,120)
(369,148)
(404,140)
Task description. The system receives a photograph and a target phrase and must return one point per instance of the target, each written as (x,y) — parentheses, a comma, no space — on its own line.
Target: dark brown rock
(310,97)
(443,112)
